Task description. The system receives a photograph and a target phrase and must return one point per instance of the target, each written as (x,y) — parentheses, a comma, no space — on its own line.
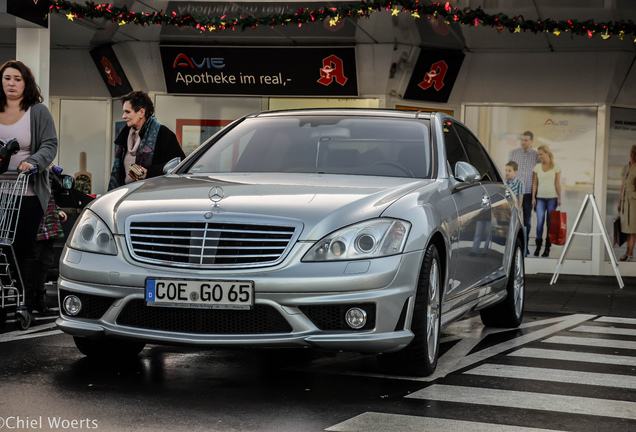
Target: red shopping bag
(558,231)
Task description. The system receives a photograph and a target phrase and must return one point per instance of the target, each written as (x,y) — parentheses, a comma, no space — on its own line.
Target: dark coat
(167,147)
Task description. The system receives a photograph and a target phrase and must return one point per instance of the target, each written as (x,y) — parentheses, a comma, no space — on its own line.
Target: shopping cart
(11,281)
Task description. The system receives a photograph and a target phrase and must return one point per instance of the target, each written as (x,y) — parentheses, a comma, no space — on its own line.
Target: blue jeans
(544,207)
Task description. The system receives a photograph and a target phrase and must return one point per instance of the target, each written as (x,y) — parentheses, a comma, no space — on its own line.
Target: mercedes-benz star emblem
(216,194)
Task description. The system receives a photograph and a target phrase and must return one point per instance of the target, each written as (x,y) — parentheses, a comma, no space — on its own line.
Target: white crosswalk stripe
(616,320)
(382,422)
(602,343)
(606,330)
(32,332)
(31,336)
(539,353)
(528,400)
(555,375)
(586,364)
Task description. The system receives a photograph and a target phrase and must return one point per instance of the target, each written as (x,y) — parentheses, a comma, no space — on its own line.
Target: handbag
(619,236)
(7,149)
(558,230)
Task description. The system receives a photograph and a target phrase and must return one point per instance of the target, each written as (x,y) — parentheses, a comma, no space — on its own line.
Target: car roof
(361,112)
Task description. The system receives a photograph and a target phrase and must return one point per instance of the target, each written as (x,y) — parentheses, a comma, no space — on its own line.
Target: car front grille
(262,319)
(209,244)
(93,306)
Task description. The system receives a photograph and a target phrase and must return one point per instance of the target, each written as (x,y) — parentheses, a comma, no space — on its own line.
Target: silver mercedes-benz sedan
(358,230)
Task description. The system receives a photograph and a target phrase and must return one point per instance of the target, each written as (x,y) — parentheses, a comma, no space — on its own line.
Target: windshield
(376,146)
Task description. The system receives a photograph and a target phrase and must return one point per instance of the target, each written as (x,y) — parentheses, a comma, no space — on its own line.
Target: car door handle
(485,200)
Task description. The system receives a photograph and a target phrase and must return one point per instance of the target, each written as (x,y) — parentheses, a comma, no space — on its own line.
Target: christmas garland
(440,10)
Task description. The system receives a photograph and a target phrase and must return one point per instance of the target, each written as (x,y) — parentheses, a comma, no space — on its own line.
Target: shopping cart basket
(11,282)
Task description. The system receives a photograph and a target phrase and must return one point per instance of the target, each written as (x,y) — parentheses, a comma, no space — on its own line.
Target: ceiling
(379,28)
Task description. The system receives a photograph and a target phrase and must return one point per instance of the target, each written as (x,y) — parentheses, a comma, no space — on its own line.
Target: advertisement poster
(570,134)
(35,11)
(111,71)
(260,71)
(434,75)
(622,136)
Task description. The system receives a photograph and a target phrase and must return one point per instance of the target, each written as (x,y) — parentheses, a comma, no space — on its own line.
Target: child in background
(50,229)
(515,185)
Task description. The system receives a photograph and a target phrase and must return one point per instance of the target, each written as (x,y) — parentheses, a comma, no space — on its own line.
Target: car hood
(320,202)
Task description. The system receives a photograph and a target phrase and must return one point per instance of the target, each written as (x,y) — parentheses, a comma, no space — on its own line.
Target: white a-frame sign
(603,233)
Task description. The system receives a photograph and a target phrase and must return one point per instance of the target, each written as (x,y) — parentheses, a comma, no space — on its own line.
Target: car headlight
(370,239)
(92,235)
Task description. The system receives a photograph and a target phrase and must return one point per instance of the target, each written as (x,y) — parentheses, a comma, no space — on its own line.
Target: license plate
(200,294)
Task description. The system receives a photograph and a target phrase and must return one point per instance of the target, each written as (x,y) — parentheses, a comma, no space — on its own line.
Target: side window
(454,149)
(477,155)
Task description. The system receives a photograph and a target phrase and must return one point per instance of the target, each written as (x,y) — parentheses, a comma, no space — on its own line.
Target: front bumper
(296,305)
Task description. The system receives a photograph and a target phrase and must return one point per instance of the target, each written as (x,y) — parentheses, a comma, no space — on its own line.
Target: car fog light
(356,318)
(72,305)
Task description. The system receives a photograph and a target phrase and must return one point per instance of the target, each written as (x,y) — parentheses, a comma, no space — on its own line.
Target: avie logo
(550,122)
(183,60)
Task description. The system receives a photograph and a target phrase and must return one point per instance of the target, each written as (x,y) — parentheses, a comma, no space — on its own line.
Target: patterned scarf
(145,152)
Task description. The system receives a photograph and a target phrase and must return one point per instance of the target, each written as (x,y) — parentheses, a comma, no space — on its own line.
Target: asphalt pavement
(569,367)
(598,295)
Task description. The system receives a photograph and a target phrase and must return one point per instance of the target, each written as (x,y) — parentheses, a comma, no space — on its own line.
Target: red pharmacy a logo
(332,70)
(435,77)
(110,72)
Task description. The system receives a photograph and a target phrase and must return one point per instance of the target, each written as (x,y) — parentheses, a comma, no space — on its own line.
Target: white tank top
(21,130)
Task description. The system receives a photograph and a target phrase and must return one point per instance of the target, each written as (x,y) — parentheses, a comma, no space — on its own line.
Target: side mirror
(67,182)
(466,173)
(171,165)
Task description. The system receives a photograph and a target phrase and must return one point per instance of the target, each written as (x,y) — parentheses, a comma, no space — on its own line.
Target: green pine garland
(439,10)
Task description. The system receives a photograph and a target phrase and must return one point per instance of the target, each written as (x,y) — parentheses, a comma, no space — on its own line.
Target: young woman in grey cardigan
(23,116)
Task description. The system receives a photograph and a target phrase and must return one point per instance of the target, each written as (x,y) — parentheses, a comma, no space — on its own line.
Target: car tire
(509,313)
(419,358)
(108,349)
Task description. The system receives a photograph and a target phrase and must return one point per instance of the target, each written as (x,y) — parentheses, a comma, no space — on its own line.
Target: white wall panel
(74,74)
(83,127)
(560,78)
(141,62)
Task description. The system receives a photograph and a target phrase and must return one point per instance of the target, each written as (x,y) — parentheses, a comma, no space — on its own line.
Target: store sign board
(434,75)
(268,71)
(111,71)
(35,11)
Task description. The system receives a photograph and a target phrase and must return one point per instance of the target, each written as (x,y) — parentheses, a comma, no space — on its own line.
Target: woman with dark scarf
(144,145)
